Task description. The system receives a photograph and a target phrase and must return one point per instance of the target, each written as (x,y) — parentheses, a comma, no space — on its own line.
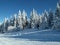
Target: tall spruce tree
(50,19)
(57,17)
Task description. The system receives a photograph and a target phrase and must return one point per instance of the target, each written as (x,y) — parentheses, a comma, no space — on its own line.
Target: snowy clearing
(30,37)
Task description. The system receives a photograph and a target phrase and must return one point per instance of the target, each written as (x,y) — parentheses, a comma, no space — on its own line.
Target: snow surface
(12,41)
(31,37)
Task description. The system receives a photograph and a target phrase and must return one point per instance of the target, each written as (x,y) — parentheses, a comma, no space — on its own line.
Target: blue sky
(10,7)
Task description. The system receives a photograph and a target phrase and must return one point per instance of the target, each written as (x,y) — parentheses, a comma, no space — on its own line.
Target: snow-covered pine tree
(57,13)
(24,19)
(37,21)
(57,17)
(11,21)
(1,28)
(42,21)
(50,19)
(28,23)
(34,18)
(46,19)
(15,20)
(19,17)
(5,25)
(20,20)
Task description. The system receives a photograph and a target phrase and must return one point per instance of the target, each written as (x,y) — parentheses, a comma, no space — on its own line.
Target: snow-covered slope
(31,37)
(36,35)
